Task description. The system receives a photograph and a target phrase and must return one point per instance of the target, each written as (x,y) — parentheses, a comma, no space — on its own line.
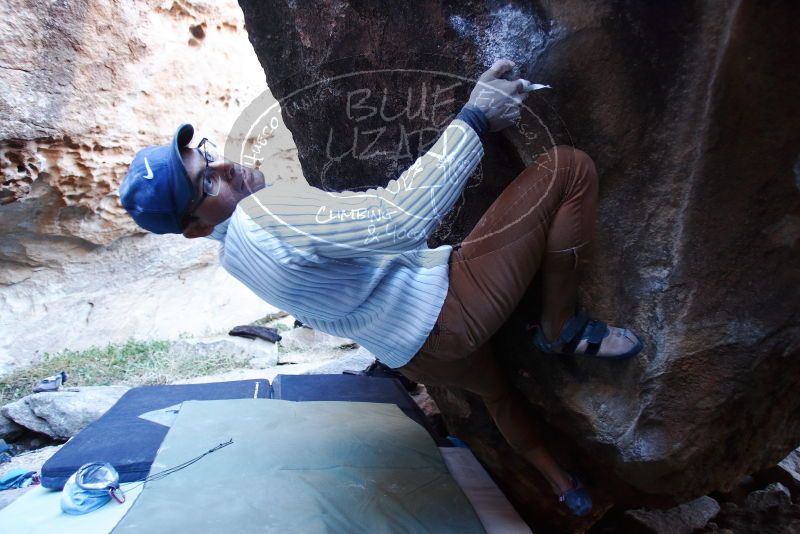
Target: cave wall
(83,85)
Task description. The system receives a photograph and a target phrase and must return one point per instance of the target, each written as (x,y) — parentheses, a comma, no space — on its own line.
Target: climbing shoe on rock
(583,335)
(577,499)
(51,383)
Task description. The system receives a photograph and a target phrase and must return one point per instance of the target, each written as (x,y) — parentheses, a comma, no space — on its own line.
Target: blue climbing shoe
(577,499)
(584,336)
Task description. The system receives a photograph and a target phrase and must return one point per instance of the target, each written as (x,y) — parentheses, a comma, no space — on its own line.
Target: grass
(133,363)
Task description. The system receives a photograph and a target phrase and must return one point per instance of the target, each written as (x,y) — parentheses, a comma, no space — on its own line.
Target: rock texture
(332,363)
(62,414)
(305,339)
(83,85)
(689,111)
(235,348)
(768,510)
(8,428)
(787,472)
(683,519)
(296,363)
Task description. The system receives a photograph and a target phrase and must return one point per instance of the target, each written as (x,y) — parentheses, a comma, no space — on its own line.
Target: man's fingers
(498,68)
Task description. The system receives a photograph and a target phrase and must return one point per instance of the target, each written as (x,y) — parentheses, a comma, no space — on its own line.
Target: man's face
(235,182)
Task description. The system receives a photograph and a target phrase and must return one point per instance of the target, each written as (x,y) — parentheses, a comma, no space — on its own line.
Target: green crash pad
(300,467)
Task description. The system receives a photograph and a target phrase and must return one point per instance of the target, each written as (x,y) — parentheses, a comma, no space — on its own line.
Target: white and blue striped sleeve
(381,220)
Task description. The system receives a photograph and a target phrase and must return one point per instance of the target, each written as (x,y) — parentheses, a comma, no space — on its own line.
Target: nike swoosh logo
(149,175)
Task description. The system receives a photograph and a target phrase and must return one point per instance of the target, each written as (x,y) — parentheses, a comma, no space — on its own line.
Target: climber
(446,302)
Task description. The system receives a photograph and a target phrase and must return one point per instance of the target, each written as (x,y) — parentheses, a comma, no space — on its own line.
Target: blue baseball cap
(156,191)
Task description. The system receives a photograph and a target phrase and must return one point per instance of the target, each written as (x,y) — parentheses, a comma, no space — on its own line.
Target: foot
(576,499)
(591,337)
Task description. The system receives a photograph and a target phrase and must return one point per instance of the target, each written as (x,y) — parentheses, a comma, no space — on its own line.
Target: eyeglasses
(209,181)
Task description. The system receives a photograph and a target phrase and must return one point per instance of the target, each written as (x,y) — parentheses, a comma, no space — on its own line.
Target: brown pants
(544,217)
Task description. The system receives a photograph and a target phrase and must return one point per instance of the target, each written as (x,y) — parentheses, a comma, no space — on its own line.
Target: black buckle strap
(573,332)
(596,331)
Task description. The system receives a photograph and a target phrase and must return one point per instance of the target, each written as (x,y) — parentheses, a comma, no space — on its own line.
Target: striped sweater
(355,263)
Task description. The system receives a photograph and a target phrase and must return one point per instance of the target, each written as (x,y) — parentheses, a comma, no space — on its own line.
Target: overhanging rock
(691,115)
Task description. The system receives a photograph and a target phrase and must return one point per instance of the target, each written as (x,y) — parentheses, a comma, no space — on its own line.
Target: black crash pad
(127,441)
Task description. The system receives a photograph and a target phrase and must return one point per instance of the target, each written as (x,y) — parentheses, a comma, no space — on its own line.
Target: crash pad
(130,432)
(308,467)
(38,511)
(356,388)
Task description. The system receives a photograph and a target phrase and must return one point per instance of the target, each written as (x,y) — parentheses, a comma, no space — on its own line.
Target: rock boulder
(767,510)
(83,86)
(690,113)
(62,414)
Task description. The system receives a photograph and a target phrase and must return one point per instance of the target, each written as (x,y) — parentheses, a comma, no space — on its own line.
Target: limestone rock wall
(83,85)
(690,112)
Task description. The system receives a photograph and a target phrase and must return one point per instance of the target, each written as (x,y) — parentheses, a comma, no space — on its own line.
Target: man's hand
(499,99)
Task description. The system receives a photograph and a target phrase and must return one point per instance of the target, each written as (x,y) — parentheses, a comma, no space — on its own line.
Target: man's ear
(197,228)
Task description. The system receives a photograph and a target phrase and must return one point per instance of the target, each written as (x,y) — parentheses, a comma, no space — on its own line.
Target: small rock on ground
(767,510)
(308,339)
(62,414)
(787,472)
(236,348)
